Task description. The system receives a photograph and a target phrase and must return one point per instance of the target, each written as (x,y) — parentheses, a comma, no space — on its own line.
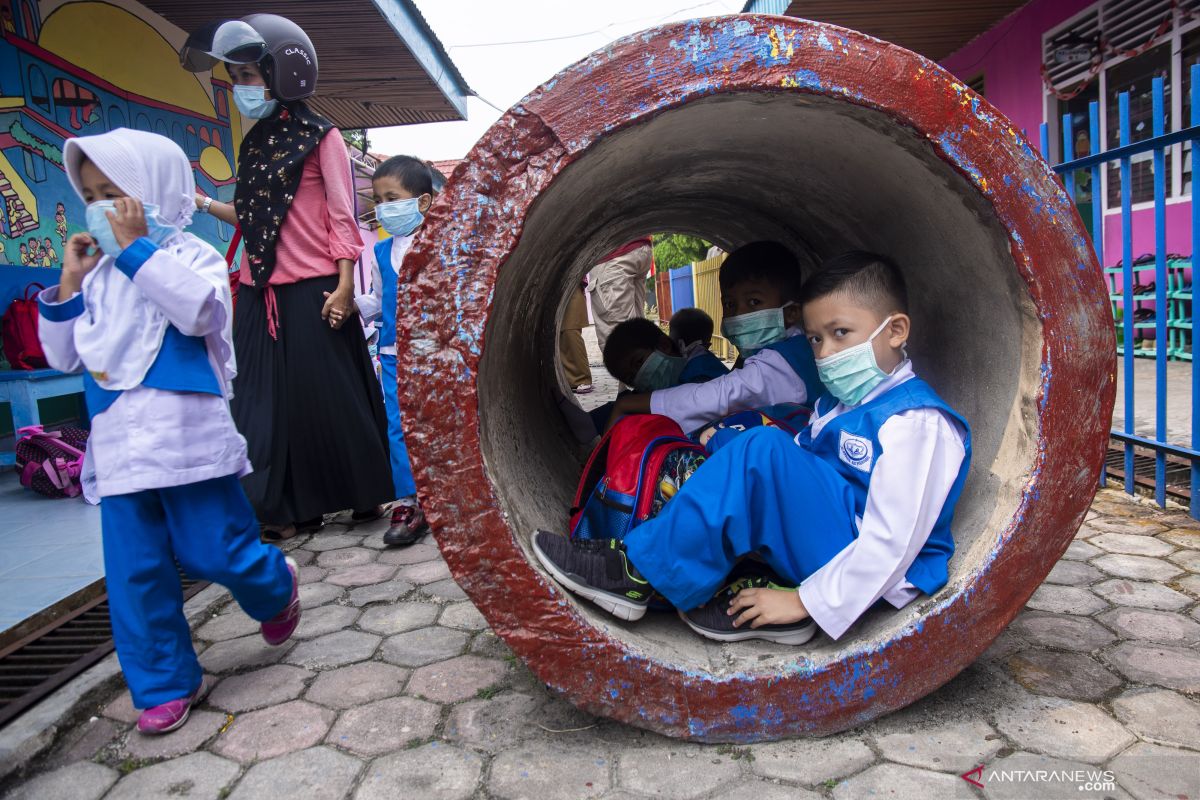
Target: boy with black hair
(692,330)
(403,188)
(760,284)
(857,509)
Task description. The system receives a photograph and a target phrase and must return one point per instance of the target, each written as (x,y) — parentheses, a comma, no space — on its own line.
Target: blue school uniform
(703,367)
(402,477)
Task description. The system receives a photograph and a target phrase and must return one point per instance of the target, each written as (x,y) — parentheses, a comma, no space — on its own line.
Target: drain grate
(1179,470)
(36,665)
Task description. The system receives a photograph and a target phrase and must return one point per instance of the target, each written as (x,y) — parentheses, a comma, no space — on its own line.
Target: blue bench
(23,388)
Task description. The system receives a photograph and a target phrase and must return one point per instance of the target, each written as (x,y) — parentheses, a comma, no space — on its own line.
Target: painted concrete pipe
(744,128)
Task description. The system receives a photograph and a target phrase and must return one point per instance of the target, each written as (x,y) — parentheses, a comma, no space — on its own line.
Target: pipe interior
(822,176)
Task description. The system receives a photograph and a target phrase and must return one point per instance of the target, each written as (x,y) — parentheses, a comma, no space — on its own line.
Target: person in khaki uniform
(618,287)
(571,349)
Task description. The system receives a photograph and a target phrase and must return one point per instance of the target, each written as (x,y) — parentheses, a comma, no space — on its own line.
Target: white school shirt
(370,305)
(151,438)
(922,452)
(765,379)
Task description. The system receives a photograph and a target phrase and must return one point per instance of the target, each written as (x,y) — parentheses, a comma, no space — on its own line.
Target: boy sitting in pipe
(760,283)
(856,509)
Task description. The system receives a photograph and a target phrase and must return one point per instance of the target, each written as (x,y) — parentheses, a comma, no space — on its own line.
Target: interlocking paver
(1142,594)
(423,646)
(1182,537)
(1131,544)
(492,724)
(901,783)
(385,725)
(121,708)
(1188,559)
(754,789)
(1062,728)
(302,557)
(445,590)
(198,775)
(346,557)
(231,624)
(1073,573)
(1128,525)
(325,619)
(464,616)
(676,769)
(311,574)
(490,645)
(322,542)
(1152,626)
(398,618)
(1152,772)
(1189,584)
(417,554)
(363,575)
(269,686)
(201,726)
(319,773)
(811,761)
(334,650)
(1065,600)
(549,770)
(386,592)
(80,781)
(82,743)
(1071,675)
(428,572)
(1081,551)
(248,651)
(1026,776)
(357,684)
(274,731)
(953,746)
(1141,568)
(433,772)
(1158,664)
(318,594)
(1161,716)
(456,679)
(1063,631)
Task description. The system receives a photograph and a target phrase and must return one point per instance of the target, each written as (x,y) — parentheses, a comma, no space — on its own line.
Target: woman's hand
(339,306)
(767,607)
(129,221)
(77,263)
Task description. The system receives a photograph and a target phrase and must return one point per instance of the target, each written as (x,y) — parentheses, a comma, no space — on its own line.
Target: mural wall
(82,67)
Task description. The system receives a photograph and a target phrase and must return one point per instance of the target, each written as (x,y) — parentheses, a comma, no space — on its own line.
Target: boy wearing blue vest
(403,188)
(143,309)
(856,509)
(692,330)
(760,284)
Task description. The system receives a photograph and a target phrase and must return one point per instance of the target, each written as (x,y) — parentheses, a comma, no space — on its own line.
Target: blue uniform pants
(402,477)
(210,528)
(761,494)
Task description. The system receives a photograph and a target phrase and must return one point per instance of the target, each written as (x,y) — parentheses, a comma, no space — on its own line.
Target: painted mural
(58,79)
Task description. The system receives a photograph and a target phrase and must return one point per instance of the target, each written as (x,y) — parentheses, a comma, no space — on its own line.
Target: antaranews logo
(1084,780)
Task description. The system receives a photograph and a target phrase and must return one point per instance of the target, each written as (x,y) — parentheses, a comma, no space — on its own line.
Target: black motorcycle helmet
(279,46)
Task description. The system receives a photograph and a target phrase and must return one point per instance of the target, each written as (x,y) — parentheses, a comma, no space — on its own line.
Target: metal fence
(1137,459)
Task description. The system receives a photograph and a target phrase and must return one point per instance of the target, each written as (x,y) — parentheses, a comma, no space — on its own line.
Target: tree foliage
(674,250)
(356,139)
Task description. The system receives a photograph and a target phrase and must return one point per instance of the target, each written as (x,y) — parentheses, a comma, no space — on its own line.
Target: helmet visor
(231,41)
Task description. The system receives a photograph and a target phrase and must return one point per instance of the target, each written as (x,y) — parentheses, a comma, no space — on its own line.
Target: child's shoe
(170,715)
(279,628)
(596,569)
(712,620)
(408,525)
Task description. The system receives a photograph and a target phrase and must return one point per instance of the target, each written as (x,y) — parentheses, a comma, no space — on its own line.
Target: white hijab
(121,331)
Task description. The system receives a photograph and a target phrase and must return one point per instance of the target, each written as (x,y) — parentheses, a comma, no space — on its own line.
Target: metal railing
(1152,461)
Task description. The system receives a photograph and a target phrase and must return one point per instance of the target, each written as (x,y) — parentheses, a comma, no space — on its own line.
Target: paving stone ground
(398,690)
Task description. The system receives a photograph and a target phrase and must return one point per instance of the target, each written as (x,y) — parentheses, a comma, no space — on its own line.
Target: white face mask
(851,374)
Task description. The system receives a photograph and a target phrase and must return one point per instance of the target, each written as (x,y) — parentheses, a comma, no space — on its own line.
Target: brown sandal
(273,534)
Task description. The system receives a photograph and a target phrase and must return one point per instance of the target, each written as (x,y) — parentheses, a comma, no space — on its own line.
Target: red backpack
(637,467)
(19,330)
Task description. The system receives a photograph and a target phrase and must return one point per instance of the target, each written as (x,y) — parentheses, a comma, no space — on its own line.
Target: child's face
(96,185)
(835,323)
(247,75)
(388,189)
(629,366)
(756,295)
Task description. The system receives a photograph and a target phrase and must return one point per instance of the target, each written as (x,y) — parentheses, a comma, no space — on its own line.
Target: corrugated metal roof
(933,28)
(380,62)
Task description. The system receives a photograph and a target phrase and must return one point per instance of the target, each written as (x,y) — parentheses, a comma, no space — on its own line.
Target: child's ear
(425,201)
(793,315)
(898,329)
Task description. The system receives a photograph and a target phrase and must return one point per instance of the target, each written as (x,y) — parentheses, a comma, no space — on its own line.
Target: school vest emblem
(857,451)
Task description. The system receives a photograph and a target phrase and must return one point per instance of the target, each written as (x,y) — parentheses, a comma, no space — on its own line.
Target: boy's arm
(919,463)
(766,379)
(370,305)
(193,297)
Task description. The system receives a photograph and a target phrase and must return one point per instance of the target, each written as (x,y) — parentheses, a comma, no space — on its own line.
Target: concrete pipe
(744,128)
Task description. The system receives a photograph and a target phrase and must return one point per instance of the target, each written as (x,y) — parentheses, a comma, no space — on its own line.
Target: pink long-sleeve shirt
(320,226)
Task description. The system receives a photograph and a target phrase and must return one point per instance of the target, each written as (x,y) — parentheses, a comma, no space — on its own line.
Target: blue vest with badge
(798,354)
(703,368)
(181,366)
(387,303)
(850,444)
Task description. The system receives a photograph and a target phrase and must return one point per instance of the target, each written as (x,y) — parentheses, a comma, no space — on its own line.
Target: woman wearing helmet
(305,396)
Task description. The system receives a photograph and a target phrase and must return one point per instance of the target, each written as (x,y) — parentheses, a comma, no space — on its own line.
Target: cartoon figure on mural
(24,256)
(49,254)
(60,224)
(35,252)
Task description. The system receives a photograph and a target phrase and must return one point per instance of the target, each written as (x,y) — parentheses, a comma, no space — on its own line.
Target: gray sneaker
(712,620)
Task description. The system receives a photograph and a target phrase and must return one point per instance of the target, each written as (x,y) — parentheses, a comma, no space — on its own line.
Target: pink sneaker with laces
(170,715)
(279,628)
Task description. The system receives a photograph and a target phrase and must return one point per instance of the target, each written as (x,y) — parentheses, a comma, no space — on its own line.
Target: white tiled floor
(49,549)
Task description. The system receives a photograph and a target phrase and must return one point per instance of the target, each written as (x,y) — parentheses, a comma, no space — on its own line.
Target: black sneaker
(712,619)
(596,569)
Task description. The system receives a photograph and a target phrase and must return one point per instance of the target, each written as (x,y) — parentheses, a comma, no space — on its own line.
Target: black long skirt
(310,407)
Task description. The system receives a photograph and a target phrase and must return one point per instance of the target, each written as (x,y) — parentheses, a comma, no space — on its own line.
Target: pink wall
(1010,56)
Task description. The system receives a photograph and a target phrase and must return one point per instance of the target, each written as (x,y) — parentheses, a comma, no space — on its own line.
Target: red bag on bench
(19,330)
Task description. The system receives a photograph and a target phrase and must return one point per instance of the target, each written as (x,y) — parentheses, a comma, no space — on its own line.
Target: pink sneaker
(170,715)
(279,628)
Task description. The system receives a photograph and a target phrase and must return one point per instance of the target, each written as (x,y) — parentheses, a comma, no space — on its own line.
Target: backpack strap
(40,288)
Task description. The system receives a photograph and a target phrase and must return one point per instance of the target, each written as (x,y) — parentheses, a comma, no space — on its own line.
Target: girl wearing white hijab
(144,310)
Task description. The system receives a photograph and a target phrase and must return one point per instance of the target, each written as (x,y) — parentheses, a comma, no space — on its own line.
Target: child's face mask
(400,217)
(658,371)
(252,101)
(751,332)
(851,374)
(101,229)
